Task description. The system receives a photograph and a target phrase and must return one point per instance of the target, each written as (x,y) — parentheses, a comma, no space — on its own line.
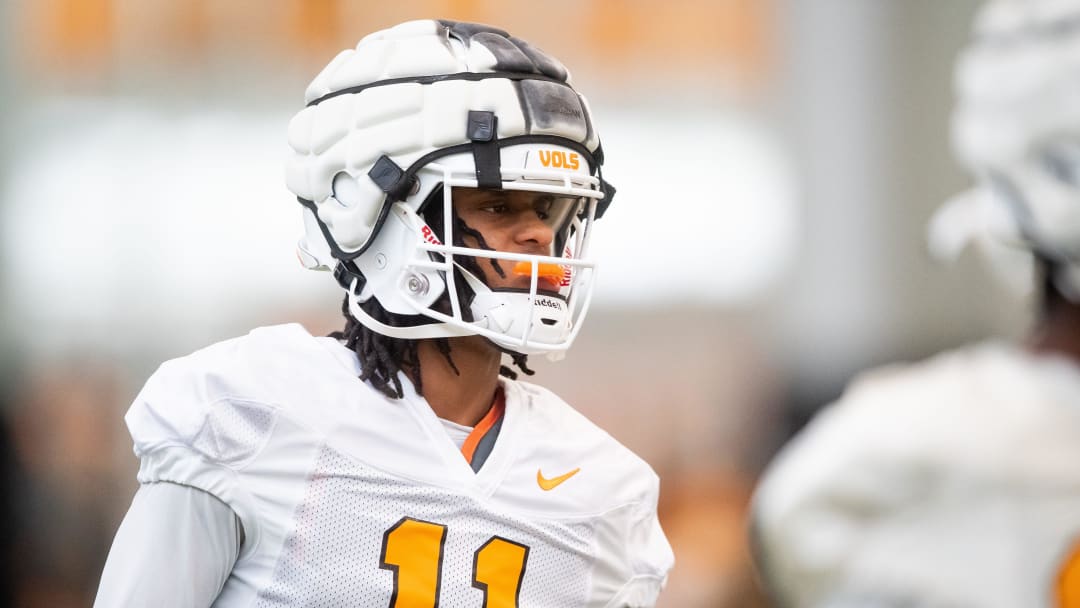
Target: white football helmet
(1016,126)
(393,127)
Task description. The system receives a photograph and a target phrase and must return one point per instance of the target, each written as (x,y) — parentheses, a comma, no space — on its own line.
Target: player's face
(511,221)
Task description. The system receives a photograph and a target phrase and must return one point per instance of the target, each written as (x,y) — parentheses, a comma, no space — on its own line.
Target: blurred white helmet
(392,127)
(1016,126)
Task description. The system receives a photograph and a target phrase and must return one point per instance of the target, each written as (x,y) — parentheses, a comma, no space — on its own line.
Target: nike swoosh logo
(550,484)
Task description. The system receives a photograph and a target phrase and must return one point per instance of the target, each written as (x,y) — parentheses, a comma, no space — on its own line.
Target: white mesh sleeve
(175,548)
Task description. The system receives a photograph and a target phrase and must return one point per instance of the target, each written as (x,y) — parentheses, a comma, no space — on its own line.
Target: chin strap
(437,330)
(418,332)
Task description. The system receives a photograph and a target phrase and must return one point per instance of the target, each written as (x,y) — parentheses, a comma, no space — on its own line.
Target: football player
(956,481)
(449,177)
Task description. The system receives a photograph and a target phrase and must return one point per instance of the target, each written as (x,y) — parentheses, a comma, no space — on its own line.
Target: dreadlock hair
(383,357)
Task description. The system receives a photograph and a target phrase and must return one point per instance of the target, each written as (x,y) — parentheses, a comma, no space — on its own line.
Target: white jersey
(953,483)
(349,498)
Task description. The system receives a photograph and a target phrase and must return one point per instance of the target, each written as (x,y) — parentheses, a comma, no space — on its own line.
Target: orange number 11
(413,550)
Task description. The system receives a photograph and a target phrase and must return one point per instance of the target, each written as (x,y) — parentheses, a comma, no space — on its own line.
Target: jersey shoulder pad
(633,554)
(222,401)
(568,432)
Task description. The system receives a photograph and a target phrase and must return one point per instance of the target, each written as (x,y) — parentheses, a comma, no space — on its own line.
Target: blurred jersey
(951,483)
(347,497)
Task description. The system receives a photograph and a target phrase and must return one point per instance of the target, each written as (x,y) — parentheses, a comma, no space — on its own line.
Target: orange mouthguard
(552,273)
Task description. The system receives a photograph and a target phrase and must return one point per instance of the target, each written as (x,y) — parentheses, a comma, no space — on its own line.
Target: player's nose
(533,233)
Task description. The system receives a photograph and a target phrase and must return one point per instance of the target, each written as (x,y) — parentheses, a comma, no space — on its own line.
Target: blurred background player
(450,179)
(955,481)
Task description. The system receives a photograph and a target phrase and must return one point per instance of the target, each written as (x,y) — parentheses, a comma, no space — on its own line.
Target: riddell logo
(548,303)
(567,272)
(429,235)
(559,159)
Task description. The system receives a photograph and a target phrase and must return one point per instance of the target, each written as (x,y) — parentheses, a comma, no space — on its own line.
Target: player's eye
(495,207)
(542,207)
